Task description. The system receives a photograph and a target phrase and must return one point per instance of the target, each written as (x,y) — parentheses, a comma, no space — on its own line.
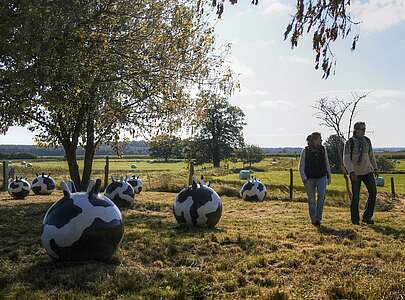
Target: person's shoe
(317,223)
(356,223)
(369,222)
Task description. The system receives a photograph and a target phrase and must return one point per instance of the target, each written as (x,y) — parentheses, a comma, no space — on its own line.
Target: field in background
(273,171)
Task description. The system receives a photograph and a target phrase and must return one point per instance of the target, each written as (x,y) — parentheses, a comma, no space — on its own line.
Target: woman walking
(315,174)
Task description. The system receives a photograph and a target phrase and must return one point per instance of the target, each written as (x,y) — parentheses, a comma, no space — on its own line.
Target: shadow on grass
(390,231)
(339,233)
(48,274)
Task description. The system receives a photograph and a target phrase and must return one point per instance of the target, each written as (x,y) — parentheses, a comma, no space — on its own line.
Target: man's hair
(359,125)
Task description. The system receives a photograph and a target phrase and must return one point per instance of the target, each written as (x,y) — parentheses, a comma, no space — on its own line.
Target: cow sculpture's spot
(198,205)
(253,190)
(43,184)
(82,226)
(136,184)
(19,188)
(121,193)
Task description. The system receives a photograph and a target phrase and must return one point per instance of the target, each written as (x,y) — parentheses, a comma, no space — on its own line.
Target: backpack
(352,146)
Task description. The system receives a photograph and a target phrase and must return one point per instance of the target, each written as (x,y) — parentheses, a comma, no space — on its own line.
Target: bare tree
(332,114)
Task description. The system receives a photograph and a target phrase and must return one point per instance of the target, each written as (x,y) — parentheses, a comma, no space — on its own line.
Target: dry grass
(259,250)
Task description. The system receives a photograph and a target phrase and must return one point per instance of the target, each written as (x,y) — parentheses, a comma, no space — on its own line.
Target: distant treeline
(141,148)
(132,148)
(17,155)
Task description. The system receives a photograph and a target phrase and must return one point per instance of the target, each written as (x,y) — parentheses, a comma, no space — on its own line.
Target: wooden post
(393,188)
(190,172)
(291,183)
(5,176)
(106,171)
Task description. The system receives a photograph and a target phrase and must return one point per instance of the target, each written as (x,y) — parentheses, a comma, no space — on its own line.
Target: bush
(384,164)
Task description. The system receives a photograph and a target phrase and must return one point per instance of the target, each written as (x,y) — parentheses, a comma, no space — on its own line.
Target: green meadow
(262,250)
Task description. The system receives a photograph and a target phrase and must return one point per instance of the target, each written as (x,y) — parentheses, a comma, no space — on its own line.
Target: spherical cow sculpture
(253,190)
(136,184)
(198,205)
(43,184)
(82,226)
(121,193)
(19,188)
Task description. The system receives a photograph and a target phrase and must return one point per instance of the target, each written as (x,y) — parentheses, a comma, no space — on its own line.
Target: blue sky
(279,85)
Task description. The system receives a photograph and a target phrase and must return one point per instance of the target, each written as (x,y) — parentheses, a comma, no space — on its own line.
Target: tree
(332,114)
(165,146)
(219,128)
(328,20)
(80,73)
(384,164)
(334,145)
(250,154)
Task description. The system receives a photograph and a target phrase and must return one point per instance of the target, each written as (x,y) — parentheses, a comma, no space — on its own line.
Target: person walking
(315,173)
(360,163)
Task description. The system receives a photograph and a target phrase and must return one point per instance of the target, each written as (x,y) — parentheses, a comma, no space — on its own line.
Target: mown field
(259,250)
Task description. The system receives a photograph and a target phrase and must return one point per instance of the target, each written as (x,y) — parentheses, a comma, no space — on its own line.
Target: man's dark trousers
(369,181)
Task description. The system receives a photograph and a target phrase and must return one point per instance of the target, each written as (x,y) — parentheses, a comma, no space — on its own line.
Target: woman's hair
(312,137)
(309,140)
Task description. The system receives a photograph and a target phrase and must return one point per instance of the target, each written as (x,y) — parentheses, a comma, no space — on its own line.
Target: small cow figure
(136,183)
(253,190)
(82,226)
(198,205)
(43,184)
(18,188)
(120,192)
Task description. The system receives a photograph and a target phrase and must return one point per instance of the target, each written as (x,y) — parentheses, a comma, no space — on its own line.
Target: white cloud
(246,92)
(275,7)
(240,67)
(279,104)
(293,59)
(378,15)
(247,106)
(373,95)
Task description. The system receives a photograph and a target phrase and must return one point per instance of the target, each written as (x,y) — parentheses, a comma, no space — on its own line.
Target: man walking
(360,163)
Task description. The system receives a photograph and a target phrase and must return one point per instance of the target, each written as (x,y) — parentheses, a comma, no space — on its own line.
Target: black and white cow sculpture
(136,184)
(253,190)
(120,192)
(19,188)
(198,205)
(82,226)
(43,184)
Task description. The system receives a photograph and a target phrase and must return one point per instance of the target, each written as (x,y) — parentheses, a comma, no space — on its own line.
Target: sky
(279,85)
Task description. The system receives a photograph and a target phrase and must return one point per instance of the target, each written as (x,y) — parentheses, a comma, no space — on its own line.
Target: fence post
(190,172)
(106,171)
(393,188)
(5,176)
(291,183)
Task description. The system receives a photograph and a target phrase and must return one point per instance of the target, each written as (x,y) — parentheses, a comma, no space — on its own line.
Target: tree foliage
(384,164)
(218,129)
(327,20)
(165,146)
(250,154)
(334,145)
(79,73)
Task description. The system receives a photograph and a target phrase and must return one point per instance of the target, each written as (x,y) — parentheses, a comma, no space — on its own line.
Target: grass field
(259,250)
(273,172)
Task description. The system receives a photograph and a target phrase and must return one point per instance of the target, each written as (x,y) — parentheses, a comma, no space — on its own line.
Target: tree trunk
(216,159)
(90,150)
(70,151)
(345,175)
